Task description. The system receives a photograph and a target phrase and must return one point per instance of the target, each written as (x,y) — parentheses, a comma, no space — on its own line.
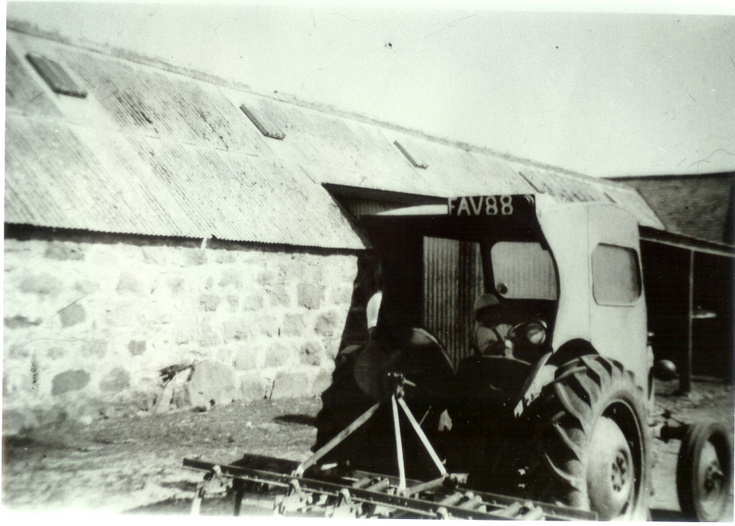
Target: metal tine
(362,482)
(533,514)
(379,486)
(451,500)
(418,488)
(508,512)
(472,503)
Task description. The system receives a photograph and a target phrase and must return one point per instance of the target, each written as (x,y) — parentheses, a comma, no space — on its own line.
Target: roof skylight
(55,76)
(266,126)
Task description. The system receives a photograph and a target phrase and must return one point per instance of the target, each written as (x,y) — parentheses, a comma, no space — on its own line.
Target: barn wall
(89,323)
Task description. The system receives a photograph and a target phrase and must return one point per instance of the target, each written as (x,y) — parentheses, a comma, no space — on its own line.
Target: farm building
(175,240)
(689,272)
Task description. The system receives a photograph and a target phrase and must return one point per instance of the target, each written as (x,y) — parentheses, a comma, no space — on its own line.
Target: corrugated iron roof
(158,153)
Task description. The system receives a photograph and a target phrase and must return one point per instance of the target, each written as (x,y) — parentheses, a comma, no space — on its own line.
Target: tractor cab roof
(467,217)
(476,206)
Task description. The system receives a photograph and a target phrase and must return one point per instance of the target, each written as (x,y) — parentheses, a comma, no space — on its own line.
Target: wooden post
(685,382)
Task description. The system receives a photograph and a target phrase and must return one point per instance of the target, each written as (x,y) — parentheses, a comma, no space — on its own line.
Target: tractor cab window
(615,275)
(523,270)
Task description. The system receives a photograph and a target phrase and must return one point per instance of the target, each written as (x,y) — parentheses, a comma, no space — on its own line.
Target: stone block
(14,246)
(137,347)
(69,381)
(293,325)
(233,301)
(128,283)
(225,256)
(253,301)
(328,324)
(332,346)
(212,384)
(40,284)
(175,285)
(209,302)
(64,251)
(278,296)
(18,350)
(342,294)
(278,354)
(72,315)
(252,386)
(115,381)
(312,272)
(268,326)
(207,336)
(247,358)
(86,286)
(194,257)
(312,353)
(20,322)
(322,381)
(271,276)
(309,295)
(94,348)
(185,332)
(154,255)
(14,422)
(237,330)
(54,353)
(291,384)
(231,278)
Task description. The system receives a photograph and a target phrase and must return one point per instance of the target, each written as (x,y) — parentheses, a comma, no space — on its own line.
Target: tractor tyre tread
(560,424)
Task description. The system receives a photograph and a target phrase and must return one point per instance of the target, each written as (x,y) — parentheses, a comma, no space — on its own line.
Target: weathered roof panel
(60,176)
(155,152)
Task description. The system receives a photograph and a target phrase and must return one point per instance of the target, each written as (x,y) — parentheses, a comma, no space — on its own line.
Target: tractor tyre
(589,441)
(704,471)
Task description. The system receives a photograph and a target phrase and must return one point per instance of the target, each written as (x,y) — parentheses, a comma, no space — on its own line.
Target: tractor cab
(567,277)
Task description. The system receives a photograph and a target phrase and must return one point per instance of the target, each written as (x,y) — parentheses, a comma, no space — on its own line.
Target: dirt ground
(135,464)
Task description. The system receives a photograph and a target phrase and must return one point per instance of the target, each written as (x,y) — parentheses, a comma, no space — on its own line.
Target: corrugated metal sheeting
(360,154)
(452,280)
(159,153)
(176,160)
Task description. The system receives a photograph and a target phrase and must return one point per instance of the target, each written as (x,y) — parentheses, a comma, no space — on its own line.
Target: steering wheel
(535,332)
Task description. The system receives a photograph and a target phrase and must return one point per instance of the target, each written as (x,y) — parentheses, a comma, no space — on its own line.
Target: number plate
(492,205)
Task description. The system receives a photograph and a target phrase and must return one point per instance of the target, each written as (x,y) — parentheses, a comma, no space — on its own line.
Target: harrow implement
(333,490)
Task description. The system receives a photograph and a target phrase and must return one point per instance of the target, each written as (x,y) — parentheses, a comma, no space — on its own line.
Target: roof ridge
(671,176)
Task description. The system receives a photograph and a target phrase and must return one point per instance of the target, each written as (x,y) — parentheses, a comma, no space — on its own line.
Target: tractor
(566,417)
(561,418)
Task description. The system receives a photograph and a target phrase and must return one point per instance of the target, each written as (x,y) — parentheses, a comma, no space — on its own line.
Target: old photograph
(343,260)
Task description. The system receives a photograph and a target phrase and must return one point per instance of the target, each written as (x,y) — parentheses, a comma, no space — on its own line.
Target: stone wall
(90,322)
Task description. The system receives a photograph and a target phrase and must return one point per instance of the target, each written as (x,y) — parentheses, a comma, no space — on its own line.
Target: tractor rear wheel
(591,441)
(704,471)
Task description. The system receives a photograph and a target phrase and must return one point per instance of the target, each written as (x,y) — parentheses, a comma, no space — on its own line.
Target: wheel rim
(710,478)
(610,470)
